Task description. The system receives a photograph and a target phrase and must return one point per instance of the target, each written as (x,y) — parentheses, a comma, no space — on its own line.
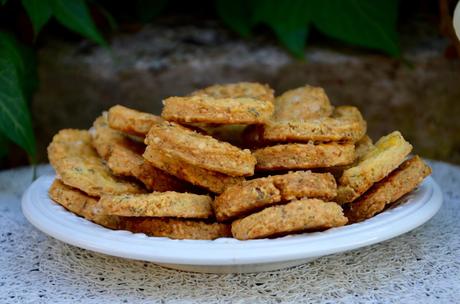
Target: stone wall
(419,95)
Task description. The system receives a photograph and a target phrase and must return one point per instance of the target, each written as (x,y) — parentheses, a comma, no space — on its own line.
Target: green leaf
(367,23)
(25,62)
(15,120)
(288,19)
(75,15)
(147,10)
(39,12)
(236,14)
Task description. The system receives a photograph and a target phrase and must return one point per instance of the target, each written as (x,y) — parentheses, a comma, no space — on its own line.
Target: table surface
(422,266)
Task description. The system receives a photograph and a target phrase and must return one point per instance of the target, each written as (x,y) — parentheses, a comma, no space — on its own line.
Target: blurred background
(62,62)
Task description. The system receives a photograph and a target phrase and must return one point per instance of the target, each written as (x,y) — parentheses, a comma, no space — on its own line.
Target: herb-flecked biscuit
(258,193)
(81,204)
(78,165)
(158,204)
(211,180)
(302,103)
(389,152)
(236,90)
(124,158)
(131,121)
(400,182)
(294,217)
(241,103)
(205,109)
(200,150)
(176,228)
(345,124)
(304,156)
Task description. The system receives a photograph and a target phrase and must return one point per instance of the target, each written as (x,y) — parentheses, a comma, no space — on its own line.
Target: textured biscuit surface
(205,109)
(304,156)
(131,121)
(302,103)
(345,124)
(255,194)
(400,182)
(389,152)
(296,216)
(81,204)
(236,90)
(200,150)
(78,165)
(176,228)
(158,204)
(240,103)
(124,158)
(213,181)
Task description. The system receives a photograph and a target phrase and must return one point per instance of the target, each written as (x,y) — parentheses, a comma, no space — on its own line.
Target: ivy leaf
(24,60)
(288,19)
(75,15)
(15,120)
(39,12)
(236,14)
(147,10)
(367,23)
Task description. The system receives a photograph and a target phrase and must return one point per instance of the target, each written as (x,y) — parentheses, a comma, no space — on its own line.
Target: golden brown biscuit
(236,90)
(124,158)
(345,124)
(240,103)
(255,194)
(304,156)
(205,109)
(389,152)
(294,217)
(81,204)
(302,103)
(362,147)
(400,182)
(213,181)
(200,150)
(158,204)
(131,121)
(78,165)
(176,228)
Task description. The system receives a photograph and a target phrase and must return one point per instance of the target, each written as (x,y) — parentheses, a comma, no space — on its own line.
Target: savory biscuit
(81,204)
(294,217)
(400,182)
(240,103)
(255,194)
(131,121)
(78,165)
(124,158)
(200,150)
(302,103)
(237,90)
(158,204)
(176,228)
(389,152)
(211,180)
(345,124)
(304,156)
(205,109)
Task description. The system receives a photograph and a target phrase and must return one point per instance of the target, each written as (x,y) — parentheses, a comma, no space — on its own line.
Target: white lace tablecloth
(422,266)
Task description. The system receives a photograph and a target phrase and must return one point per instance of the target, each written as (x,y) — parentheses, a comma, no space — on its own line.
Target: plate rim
(225,251)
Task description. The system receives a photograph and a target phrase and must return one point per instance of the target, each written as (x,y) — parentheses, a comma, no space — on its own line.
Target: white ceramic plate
(226,254)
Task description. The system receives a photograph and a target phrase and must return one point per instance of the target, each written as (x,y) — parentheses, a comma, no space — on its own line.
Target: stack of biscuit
(231,160)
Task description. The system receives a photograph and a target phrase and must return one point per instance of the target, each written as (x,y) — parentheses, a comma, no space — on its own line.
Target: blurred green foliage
(366,23)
